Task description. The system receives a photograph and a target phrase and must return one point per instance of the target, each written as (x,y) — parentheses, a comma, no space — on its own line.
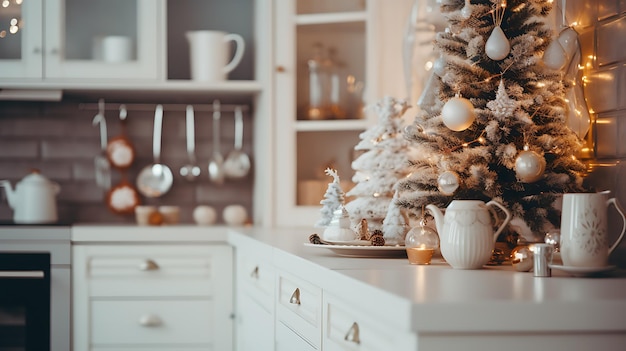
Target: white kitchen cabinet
(348,326)
(307,144)
(140,296)
(255,276)
(298,311)
(75,39)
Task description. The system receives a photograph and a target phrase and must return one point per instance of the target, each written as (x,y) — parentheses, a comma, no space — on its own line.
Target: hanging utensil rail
(166,107)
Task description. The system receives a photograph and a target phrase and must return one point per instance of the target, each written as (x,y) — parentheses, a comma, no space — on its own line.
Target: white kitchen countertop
(440,299)
(426,299)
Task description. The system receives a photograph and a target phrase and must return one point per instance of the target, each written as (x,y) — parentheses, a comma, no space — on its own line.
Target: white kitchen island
(345,303)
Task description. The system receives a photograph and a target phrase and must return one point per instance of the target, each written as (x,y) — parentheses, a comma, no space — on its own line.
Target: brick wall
(602,32)
(58,138)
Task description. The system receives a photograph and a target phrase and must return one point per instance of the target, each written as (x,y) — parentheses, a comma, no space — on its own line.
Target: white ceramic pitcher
(209,54)
(584,229)
(466,232)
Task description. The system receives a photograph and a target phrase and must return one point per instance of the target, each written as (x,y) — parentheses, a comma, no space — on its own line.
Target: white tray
(360,249)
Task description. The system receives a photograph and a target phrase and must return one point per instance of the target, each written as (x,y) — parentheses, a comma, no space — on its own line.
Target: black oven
(24,301)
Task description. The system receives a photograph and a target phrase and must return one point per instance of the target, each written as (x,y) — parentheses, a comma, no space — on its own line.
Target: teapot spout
(9,191)
(436,212)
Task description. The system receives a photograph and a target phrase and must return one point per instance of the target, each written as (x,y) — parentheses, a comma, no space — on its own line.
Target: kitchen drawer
(349,328)
(256,278)
(299,307)
(141,270)
(156,322)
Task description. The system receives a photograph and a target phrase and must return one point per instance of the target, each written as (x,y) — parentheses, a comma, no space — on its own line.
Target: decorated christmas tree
(333,199)
(497,128)
(385,160)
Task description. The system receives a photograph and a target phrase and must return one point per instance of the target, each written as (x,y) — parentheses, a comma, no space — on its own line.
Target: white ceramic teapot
(466,232)
(34,199)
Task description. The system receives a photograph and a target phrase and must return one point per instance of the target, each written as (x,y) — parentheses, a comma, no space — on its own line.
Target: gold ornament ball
(458,114)
(529,166)
(522,258)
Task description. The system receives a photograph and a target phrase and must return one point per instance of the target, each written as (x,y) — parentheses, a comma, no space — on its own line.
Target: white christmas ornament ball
(448,182)
(529,166)
(235,215)
(204,215)
(458,114)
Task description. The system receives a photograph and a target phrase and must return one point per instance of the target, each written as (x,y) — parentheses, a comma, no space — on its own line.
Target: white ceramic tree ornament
(498,46)
(458,113)
(529,166)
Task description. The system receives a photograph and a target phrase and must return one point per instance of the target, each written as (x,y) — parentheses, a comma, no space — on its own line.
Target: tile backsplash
(58,138)
(602,32)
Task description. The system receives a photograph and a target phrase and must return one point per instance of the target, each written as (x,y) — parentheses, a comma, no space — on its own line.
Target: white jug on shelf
(209,54)
(34,199)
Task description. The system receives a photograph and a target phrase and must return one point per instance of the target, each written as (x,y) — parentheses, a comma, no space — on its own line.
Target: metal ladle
(155,179)
(190,171)
(216,165)
(237,163)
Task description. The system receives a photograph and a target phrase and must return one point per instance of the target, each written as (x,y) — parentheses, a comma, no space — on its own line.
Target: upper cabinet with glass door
(79,39)
(326,74)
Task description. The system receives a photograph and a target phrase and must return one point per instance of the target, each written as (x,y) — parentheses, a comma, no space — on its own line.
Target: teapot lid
(35,178)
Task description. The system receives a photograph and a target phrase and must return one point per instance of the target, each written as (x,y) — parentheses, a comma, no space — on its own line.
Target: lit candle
(420,254)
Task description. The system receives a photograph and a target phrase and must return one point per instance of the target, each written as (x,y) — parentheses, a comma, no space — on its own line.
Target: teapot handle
(506,221)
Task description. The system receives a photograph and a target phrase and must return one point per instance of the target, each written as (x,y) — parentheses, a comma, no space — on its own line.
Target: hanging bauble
(497,46)
(458,113)
(529,166)
(448,182)
(561,49)
(554,57)
(466,11)
(439,66)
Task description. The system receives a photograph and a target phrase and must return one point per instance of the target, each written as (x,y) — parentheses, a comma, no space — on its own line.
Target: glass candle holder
(421,243)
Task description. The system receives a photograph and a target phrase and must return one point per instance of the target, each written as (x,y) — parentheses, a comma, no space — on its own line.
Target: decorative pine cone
(377,238)
(315,239)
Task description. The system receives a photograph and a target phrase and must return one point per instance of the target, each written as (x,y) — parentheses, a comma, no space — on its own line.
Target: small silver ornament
(448,182)
(529,166)
(458,113)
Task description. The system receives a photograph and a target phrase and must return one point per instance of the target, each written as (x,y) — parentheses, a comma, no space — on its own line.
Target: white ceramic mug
(209,54)
(113,48)
(584,229)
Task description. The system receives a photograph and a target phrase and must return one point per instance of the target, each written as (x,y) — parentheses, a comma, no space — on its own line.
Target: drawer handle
(295,297)
(148,265)
(150,320)
(255,273)
(353,334)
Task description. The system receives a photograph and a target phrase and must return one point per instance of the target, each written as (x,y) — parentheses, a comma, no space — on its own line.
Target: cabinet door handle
(37,50)
(255,273)
(150,320)
(353,334)
(280,69)
(295,297)
(148,265)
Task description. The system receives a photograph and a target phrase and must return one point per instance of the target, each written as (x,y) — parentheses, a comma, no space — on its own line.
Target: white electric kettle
(34,199)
